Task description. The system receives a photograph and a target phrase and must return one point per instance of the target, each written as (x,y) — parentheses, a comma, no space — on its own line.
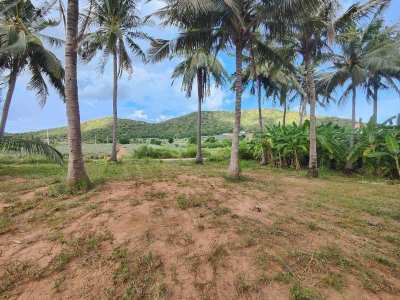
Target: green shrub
(219,154)
(245,151)
(157,153)
(155,142)
(211,140)
(189,152)
(124,141)
(192,140)
(213,143)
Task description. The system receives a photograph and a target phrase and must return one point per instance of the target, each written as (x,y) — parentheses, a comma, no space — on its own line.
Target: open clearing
(152,230)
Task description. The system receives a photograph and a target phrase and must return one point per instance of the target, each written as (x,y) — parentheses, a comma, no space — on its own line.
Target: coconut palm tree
(256,74)
(118,28)
(311,34)
(383,63)
(363,62)
(202,67)
(265,69)
(31,147)
(349,66)
(224,25)
(76,167)
(21,49)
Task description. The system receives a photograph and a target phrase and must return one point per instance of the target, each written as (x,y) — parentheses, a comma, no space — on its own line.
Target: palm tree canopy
(21,47)
(367,57)
(118,28)
(200,64)
(221,23)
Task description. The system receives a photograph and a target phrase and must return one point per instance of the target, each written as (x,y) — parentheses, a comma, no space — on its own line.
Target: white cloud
(215,101)
(163,118)
(139,115)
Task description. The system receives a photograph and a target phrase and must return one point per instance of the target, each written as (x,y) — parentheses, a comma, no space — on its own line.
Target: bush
(124,141)
(245,151)
(211,140)
(219,154)
(213,143)
(155,142)
(157,153)
(192,140)
(189,152)
(170,140)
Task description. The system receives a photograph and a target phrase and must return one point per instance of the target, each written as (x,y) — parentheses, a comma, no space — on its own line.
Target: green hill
(214,123)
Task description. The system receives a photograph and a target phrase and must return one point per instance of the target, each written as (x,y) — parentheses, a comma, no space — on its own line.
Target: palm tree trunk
(302,110)
(284,112)
(264,158)
(76,168)
(115,107)
(375,100)
(311,93)
(353,117)
(234,168)
(398,166)
(349,165)
(199,155)
(6,108)
(260,117)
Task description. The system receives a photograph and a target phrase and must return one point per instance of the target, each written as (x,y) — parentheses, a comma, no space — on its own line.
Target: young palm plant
(202,67)
(118,28)
(21,49)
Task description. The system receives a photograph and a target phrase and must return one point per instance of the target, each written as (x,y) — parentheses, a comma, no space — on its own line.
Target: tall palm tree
(76,167)
(256,74)
(349,66)
(21,48)
(118,28)
(311,34)
(265,66)
(202,67)
(225,25)
(383,63)
(357,60)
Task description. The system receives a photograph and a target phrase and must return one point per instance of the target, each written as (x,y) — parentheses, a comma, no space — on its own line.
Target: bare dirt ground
(270,236)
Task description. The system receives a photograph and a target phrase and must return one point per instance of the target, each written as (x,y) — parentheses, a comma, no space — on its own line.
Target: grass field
(154,230)
(104,150)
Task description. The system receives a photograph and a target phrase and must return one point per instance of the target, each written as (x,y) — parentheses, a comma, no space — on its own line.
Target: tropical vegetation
(133,216)
(286,51)
(22,27)
(117,31)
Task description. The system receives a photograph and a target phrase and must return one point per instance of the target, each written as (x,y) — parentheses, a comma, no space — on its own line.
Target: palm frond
(31,147)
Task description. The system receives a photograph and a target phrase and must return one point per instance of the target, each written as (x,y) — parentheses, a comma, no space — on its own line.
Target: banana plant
(390,149)
(332,143)
(377,146)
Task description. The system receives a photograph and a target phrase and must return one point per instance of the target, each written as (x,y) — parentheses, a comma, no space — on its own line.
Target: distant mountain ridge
(214,123)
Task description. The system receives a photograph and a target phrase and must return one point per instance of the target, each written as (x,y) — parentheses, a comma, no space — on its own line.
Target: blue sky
(149,96)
